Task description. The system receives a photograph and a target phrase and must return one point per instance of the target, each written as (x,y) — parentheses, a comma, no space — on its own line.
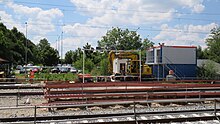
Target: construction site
(161,89)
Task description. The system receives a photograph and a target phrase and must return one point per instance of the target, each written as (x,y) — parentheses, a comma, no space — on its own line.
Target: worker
(122,70)
(31,76)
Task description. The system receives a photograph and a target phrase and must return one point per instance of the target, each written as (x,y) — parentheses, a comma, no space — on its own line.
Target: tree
(69,57)
(104,66)
(89,65)
(201,54)
(121,40)
(207,70)
(13,46)
(118,39)
(47,55)
(88,50)
(213,43)
(145,45)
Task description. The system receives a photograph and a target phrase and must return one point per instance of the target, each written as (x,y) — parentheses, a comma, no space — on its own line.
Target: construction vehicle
(125,66)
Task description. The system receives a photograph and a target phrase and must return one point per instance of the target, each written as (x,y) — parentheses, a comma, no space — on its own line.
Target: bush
(57,77)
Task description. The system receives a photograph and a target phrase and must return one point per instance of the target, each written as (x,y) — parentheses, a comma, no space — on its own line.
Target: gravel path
(37,100)
(11,101)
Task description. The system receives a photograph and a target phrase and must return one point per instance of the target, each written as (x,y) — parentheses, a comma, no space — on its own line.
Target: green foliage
(72,56)
(201,54)
(145,45)
(207,71)
(57,77)
(47,55)
(104,66)
(69,57)
(213,43)
(89,65)
(96,62)
(13,48)
(121,40)
(79,64)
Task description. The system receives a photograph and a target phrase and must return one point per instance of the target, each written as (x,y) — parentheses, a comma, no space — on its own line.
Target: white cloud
(24,10)
(133,12)
(194,5)
(79,34)
(107,13)
(122,13)
(39,21)
(198,8)
(9,22)
(36,39)
(184,35)
(72,43)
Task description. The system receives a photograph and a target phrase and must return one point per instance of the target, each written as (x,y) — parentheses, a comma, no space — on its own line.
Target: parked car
(64,70)
(55,70)
(73,70)
(19,67)
(22,71)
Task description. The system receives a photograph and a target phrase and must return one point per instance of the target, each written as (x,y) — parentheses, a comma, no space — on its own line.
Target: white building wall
(116,64)
(150,56)
(178,55)
(155,55)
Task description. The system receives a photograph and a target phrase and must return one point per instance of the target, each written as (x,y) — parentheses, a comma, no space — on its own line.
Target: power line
(128,10)
(111,9)
(123,27)
(153,16)
(140,12)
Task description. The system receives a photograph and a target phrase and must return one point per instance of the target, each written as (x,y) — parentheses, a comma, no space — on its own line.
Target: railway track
(23,92)
(20,93)
(21,86)
(143,117)
(126,91)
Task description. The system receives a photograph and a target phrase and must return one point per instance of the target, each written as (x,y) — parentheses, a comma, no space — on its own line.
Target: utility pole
(58,45)
(26,48)
(140,65)
(61,46)
(83,65)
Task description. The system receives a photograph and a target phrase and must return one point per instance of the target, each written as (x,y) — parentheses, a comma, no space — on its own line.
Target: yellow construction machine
(125,65)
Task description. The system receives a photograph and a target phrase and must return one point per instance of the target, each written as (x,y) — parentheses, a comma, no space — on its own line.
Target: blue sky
(173,22)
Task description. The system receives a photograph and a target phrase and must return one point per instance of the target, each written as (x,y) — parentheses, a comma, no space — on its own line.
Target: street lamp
(26,48)
(140,64)
(84,61)
(83,65)
(61,46)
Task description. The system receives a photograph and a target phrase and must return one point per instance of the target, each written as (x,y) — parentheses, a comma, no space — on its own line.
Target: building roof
(172,46)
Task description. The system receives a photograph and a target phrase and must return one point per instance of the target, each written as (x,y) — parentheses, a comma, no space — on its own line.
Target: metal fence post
(135,116)
(17,98)
(35,114)
(215,108)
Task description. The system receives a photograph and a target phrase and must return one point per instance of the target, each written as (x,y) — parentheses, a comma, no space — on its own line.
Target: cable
(111,9)
(129,10)
(123,27)
(140,12)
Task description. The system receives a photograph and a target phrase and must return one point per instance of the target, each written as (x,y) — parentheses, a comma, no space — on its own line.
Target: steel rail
(114,115)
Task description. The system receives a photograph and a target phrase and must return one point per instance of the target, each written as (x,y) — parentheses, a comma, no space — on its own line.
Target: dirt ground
(11,101)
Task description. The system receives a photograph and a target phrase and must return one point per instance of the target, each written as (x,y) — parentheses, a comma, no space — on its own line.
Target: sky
(77,22)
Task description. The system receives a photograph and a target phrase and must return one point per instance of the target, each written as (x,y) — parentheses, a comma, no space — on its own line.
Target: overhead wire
(140,12)
(127,10)
(123,27)
(120,12)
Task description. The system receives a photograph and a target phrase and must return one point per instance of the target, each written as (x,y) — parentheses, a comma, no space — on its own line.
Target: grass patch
(51,76)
